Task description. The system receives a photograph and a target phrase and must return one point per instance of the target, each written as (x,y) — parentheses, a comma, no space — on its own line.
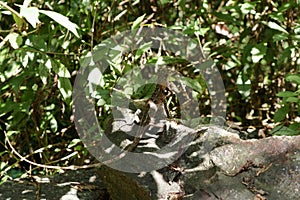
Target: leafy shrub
(253,43)
(289,113)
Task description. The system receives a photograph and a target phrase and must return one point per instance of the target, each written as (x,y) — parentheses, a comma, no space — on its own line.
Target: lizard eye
(166,92)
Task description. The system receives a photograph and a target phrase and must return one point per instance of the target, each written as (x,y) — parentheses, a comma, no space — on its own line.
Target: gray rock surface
(216,165)
(219,165)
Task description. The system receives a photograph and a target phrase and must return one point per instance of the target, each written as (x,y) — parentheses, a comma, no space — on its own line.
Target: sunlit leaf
(31,14)
(243,85)
(26,3)
(95,78)
(137,22)
(62,20)
(143,48)
(285,6)
(63,72)
(73,143)
(53,124)
(65,88)
(280,37)
(2,165)
(120,15)
(258,52)
(275,26)
(248,7)
(15,40)
(202,31)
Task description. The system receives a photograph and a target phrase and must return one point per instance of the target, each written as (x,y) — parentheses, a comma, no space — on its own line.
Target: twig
(10,9)
(72,167)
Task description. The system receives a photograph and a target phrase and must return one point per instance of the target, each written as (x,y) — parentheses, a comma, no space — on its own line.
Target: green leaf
(163,2)
(15,40)
(243,85)
(65,88)
(102,94)
(117,67)
(2,164)
(73,143)
(192,83)
(286,94)
(143,48)
(196,28)
(3,179)
(205,65)
(292,99)
(164,60)
(44,73)
(168,60)
(63,72)
(280,37)
(36,42)
(225,17)
(282,130)
(62,20)
(11,133)
(144,92)
(285,7)
(248,8)
(101,102)
(281,113)
(258,52)
(95,79)
(294,78)
(137,22)
(53,124)
(19,21)
(31,14)
(8,107)
(15,173)
(275,26)
(26,3)
(78,148)
(277,17)
(295,126)
(50,107)
(202,31)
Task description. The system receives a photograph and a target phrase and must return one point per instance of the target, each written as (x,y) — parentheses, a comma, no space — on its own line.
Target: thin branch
(10,9)
(72,167)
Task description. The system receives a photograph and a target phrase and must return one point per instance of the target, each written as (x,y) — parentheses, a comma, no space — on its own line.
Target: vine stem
(71,167)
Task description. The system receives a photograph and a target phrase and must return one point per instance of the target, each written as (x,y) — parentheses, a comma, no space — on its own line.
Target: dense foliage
(255,45)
